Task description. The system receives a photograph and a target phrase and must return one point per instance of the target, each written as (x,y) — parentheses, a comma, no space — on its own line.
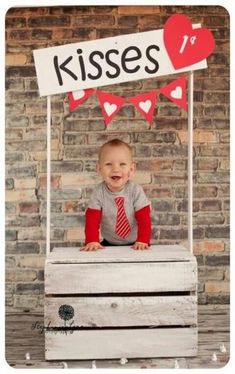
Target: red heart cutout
(185,45)
(77,99)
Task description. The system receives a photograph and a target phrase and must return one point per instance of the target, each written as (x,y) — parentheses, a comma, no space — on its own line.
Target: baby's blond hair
(114,143)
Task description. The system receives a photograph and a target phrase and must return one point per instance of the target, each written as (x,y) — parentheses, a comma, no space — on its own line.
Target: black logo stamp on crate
(66,313)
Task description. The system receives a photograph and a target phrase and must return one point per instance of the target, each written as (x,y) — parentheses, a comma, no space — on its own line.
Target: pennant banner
(76,98)
(176,92)
(110,105)
(145,104)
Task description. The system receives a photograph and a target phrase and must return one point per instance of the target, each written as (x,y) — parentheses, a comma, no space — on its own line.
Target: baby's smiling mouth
(116,177)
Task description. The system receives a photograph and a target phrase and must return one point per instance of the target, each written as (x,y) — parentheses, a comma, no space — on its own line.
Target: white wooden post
(48,197)
(190,161)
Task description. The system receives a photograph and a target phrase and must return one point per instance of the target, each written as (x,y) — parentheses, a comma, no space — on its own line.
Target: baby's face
(116,167)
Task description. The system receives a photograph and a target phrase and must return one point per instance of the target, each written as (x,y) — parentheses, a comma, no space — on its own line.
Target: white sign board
(104,62)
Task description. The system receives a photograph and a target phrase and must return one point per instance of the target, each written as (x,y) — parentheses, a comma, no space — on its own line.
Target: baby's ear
(98,167)
(133,168)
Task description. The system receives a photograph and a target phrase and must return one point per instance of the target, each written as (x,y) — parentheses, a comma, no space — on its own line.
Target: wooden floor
(25,338)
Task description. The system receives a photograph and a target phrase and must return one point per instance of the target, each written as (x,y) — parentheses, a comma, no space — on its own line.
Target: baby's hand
(92,246)
(140,245)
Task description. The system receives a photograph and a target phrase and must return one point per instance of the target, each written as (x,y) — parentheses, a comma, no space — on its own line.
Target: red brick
(217,287)
(29,207)
(55,181)
(138,10)
(208,246)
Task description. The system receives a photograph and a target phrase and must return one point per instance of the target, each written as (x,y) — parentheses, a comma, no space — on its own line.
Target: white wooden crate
(118,302)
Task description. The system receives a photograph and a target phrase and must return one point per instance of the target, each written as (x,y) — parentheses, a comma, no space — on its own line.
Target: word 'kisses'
(129,61)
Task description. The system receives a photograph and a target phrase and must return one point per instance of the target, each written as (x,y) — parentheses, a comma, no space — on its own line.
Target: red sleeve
(143,224)
(92,225)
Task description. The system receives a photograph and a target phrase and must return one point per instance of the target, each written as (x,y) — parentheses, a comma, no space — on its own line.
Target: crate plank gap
(118,302)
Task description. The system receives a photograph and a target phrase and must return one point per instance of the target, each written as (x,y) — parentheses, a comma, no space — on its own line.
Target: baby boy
(118,207)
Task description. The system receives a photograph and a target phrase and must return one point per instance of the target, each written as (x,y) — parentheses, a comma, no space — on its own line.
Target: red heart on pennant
(110,105)
(76,98)
(185,45)
(145,104)
(176,92)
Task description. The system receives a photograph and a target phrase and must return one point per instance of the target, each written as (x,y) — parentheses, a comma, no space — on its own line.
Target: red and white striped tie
(123,227)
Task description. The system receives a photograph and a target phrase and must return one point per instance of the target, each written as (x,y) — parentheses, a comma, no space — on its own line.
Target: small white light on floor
(123,361)
(214,357)
(222,348)
(93,364)
(65,365)
(176,364)
(27,356)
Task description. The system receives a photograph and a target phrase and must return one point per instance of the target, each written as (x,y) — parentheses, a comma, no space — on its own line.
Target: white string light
(176,364)
(222,348)
(214,357)
(27,356)
(123,361)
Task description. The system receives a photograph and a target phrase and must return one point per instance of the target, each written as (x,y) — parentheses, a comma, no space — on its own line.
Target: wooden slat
(215,317)
(123,311)
(125,277)
(97,344)
(156,253)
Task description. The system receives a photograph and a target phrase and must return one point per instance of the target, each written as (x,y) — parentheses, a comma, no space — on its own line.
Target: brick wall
(160,150)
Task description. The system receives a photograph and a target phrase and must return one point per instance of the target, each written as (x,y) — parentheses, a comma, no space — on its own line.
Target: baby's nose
(115,167)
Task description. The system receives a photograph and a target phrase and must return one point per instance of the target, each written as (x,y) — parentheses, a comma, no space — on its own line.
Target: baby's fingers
(140,246)
(91,248)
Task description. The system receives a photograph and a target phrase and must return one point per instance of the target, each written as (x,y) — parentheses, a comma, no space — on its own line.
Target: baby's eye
(123,164)
(108,164)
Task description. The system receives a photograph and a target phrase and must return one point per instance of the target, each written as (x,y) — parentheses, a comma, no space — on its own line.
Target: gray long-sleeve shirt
(103,199)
